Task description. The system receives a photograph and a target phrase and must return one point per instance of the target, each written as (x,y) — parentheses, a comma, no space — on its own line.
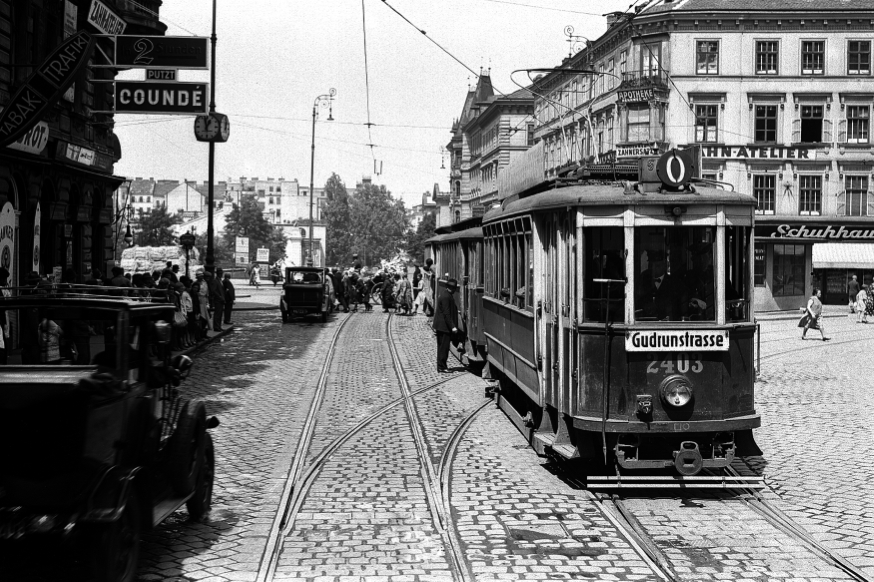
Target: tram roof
(601,195)
(466,234)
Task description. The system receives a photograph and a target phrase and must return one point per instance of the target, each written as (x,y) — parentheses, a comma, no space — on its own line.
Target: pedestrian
(445,323)
(862,305)
(200,290)
(255,276)
(230,297)
(404,294)
(119,280)
(417,289)
(185,308)
(813,316)
(428,288)
(388,289)
(340,289)
(852,292)
(49,341)
(216,298)
(95,279)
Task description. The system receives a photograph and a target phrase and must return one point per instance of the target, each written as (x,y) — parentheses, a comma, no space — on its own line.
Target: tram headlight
(676,391)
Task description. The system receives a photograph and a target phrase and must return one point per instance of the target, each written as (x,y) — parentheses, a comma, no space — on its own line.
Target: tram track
(301,478)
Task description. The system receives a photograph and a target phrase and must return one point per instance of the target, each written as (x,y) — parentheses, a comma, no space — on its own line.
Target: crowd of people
(354,288)
(201,304)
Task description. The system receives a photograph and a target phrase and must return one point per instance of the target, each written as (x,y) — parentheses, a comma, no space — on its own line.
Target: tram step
(542,441)
(674,482)
(567,451)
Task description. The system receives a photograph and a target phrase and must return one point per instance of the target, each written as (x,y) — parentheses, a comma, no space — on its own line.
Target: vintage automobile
(305,291)
(101,444)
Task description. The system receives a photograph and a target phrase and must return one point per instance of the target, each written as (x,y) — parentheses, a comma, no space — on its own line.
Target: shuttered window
(856,195)
(810,195)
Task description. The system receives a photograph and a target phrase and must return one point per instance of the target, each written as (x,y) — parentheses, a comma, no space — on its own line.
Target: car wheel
(115,547)
(201,502)
(186,449)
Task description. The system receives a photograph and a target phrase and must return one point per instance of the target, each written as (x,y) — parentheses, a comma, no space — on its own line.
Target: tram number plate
(677,363)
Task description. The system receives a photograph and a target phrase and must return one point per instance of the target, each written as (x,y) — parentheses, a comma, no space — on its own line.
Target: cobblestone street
(367,513)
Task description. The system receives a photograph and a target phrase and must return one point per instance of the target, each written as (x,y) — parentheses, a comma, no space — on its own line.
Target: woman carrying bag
(813,316)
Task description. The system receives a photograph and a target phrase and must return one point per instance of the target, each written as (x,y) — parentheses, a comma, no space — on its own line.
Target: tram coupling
(686,455)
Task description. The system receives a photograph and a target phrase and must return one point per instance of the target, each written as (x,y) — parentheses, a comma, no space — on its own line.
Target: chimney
(613,18)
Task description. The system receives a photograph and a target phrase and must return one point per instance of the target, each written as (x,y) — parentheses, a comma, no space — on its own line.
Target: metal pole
(312,168)
(210,235)
(186,261)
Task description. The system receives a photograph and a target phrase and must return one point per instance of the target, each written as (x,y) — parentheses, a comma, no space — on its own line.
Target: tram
(616,315)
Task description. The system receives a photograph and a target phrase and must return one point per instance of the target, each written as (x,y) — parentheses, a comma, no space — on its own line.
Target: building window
(270,200)
(766,57)
(810,195)
(812,57)
(637,127)
(705,123)
(650,57)
(766,123)
(623,62)
(764,190)
(759,265)
(857,195)
(611,74)
(811,123)
(857,123)
(530,134)
(707,57)
(789,271)
(859,57)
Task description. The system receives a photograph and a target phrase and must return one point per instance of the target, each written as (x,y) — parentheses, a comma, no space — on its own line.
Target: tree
(224,254)
(378,223)
(154,228)
(336,215)
(247,219)
(416,240)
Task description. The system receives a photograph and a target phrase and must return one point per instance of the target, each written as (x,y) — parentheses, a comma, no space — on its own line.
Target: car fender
(110,495)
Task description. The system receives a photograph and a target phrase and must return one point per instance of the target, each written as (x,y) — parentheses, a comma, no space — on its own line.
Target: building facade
(778,95)
(58,180)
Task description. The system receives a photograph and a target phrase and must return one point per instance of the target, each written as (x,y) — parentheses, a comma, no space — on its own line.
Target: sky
(274,57)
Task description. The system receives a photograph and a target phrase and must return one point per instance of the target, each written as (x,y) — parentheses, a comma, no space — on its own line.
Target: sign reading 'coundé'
(44,87)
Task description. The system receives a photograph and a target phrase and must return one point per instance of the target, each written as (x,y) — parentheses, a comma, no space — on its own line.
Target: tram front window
(605,259)
(674,278)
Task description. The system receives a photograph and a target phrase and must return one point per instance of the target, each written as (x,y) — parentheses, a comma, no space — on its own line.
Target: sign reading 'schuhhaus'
(817,231)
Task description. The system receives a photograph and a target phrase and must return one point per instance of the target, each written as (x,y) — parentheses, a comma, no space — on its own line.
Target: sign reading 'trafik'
(44,87)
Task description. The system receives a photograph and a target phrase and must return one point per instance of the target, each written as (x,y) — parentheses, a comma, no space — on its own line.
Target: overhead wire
(148,10)
(544,7)
(367,84)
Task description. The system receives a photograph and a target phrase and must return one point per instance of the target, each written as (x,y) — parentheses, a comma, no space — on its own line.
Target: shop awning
(843,255)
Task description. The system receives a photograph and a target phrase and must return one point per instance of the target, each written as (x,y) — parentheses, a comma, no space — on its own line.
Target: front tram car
(617,317)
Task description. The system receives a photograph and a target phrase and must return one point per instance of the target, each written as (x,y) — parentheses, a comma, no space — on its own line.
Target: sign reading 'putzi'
(44,87)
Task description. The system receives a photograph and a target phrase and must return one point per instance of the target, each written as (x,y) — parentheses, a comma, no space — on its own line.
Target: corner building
(778,94)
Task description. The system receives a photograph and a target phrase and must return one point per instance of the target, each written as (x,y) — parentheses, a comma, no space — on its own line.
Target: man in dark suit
(700,283)
(445,323)
(657,295)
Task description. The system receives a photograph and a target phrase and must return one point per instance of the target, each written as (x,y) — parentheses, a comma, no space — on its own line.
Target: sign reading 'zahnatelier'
(758,152)
(673,340)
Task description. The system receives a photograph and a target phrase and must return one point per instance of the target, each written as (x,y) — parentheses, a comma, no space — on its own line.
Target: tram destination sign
(162,52)
(675,340)
(165,98)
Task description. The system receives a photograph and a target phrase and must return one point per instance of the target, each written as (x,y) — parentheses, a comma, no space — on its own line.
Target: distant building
(418,212)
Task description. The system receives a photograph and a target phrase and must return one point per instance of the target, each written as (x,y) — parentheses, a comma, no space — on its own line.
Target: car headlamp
(676,391)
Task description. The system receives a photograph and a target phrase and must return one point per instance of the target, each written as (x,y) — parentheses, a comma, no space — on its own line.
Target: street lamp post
(210,202)
(320,100)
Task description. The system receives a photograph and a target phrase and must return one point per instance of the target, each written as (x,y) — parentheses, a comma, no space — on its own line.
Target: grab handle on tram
(623,281)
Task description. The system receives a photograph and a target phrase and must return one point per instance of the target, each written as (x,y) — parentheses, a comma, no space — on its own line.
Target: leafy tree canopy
(153,228)
(247,219)
(336,215)
(416,240)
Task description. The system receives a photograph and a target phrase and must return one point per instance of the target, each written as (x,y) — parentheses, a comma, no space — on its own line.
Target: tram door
(568,313)
(551,311)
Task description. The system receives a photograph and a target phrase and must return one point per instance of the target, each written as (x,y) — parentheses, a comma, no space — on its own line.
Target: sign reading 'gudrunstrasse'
(673,340)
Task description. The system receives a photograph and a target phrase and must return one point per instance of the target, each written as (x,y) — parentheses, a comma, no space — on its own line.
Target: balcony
(644,79)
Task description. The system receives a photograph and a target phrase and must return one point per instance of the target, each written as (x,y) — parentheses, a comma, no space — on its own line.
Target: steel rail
(306,434)
(440,514)
(774,516)
(616,513)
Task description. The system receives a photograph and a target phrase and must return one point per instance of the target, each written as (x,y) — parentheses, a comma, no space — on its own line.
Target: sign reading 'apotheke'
(635,95)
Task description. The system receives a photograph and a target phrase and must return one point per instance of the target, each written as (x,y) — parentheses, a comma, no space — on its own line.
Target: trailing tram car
(617,316)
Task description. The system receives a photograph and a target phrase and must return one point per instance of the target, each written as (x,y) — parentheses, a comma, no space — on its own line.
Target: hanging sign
(104,19)
(160,97)
(34,141)
(44,87)
(175,52)
(635,95)
(36,223)
(7,238)
(263,255)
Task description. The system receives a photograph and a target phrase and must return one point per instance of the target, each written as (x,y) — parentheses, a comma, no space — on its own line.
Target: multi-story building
(490,132)
(418,212)
(58,180)
(777,94)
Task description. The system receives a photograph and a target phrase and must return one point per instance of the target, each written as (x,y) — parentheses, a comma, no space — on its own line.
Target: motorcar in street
(305,292)
(99,444)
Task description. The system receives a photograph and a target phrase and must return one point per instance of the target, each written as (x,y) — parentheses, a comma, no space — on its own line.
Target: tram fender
(745,444)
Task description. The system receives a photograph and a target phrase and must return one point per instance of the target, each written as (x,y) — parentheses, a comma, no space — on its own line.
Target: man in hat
(657,295)
(445,323)
(230,296)
(216,299)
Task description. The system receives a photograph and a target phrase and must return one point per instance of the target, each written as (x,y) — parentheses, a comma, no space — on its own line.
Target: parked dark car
(101,444)
(305,291)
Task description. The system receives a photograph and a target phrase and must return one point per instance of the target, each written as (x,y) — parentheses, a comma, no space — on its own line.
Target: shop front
(794,255)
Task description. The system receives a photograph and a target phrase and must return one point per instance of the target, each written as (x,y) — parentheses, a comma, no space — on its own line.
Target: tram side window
(604,252)
(737,273)
(674,278)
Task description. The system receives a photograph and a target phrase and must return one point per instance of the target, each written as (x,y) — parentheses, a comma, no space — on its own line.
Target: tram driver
(657,296)
(700,283)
